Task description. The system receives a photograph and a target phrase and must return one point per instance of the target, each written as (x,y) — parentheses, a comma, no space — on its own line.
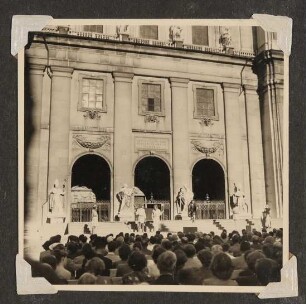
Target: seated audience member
(111,252)
(267,270)
(240,262)
(221,268)
(60,254)
(87,279)
(192,260)
(224,236)
(46,271)
(165,243)
(225,248)
(152,243)
(56,239)
(279,236)
(87,254)
(166,264)
(216,249)
(205,257)
(100,244)
(72,253)
(82,240)
(181,259)
(145,250)
(95,266)
(152,264)
(256,245)
(50,260)
(199,245)
(122,265)
(188,276)
(235,247)
(137,246)
(248,276)
(268,250)
(138,262)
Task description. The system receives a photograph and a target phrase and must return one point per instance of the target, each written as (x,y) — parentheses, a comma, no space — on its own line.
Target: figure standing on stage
(180,201)
(192,209)
(156,214)
(94,218)
(56,202)
(266,217)
(141,218)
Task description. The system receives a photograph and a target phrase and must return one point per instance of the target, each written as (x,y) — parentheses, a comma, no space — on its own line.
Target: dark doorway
(93,172)
(152,176)
(208,177)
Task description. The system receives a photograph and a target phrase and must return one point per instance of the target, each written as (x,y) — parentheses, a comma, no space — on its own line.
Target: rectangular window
(92,93)
(205,104)
(93,28)
(200,35)
(148,31)
(151,97)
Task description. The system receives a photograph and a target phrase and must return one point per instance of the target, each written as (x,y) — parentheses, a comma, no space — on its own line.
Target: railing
(210,209)
(81,212)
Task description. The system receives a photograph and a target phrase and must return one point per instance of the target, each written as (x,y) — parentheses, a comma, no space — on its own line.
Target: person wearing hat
(94,218)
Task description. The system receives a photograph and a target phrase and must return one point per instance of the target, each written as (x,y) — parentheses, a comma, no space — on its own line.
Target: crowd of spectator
(229,259)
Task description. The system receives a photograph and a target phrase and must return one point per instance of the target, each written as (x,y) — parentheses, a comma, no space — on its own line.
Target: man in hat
(94,218)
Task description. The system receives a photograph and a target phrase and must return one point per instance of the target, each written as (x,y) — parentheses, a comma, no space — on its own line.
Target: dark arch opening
(152,176)
(93,172)
(208,177)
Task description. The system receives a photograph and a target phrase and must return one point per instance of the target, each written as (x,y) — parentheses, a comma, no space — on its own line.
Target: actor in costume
(180,201)
(266,217)
(156,214)
(192,209)
(94,218)
(141,218)
(56,202)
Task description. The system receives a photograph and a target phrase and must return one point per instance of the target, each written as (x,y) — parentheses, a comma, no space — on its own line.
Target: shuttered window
(92,93)
(205,105)
(200,35)
(148,31)
(151,97)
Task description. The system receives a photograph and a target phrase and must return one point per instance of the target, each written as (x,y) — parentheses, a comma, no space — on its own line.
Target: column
(59,125)
(180,136)
(122,134)
(33,104)
(233,137)
(257,176)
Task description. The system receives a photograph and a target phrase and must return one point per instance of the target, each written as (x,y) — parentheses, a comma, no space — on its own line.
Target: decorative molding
(92,114)
(94,129)
(151,118)
(93,141)
(208,150)
(206,121)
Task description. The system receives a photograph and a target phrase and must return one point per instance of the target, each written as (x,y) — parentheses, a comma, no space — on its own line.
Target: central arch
(208,178)
(152,177)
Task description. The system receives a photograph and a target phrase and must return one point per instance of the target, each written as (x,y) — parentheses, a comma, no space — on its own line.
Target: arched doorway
(91,171)
(152,177)
(208,178)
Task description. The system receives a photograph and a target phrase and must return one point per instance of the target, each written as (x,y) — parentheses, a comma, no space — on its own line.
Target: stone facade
(244,136)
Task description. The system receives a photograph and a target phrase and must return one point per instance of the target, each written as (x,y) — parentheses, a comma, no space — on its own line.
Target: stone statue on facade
(176,35)
(183,198)
(57,202)
(225,38)
(126,210)
(122,31)
(238,202)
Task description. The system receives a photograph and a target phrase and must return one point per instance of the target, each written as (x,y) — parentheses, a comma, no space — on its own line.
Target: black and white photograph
(154,153)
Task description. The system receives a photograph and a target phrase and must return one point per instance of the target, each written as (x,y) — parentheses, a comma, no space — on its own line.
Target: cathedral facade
(158,107)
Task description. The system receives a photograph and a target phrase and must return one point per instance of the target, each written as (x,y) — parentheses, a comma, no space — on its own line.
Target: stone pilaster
(59,125)
(257,176)
(180,136)
(32,141)
(235,168)
(122,134)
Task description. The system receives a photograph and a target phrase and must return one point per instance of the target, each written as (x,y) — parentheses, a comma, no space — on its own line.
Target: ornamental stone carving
(92,114)
(93,141)
(151,118)
(208,149)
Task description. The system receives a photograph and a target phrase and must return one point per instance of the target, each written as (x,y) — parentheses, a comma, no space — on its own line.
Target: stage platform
(174,226)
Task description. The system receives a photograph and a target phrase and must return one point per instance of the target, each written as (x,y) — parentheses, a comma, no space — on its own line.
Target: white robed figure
(156,214)
(126,210)
(266,217)
(94,218)
(56,201)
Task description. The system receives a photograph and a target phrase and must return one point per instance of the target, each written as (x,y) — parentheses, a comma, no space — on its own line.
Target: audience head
(60,253)
(137,261)
(95,266)
(252,257)
(137,246)
(181,258)
(87,251)
(112,246)
(221,266)
(166,262)
(205,256)
(50,260)
(190,250)
(188,277)
(83,238)
(166,244)
(245,246)
(157,251)
(124,252)
(87,279)
(267,270)
(215,249)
